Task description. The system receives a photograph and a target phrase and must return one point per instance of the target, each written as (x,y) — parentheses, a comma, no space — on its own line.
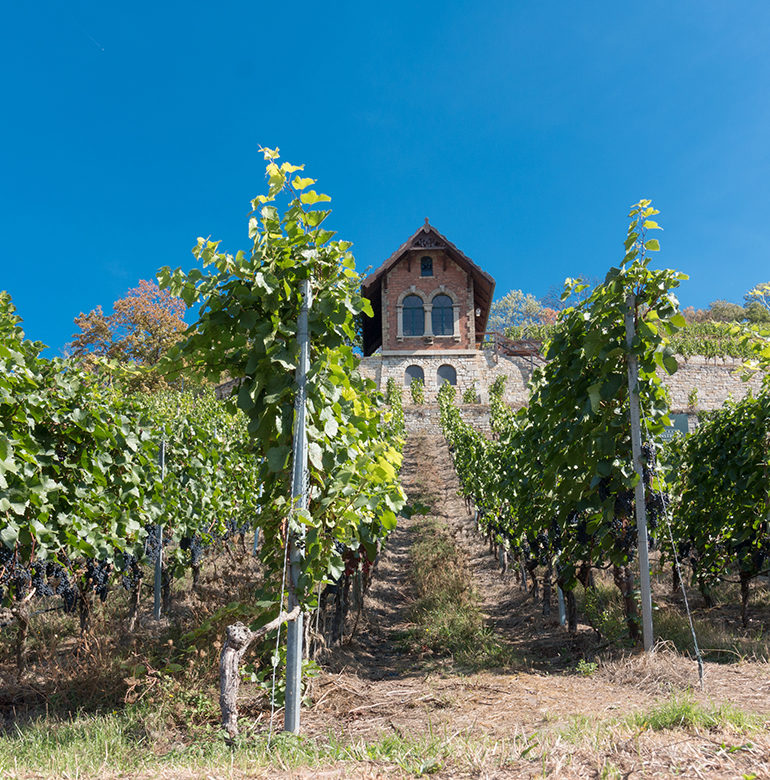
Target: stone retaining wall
(426,418)
(715,380)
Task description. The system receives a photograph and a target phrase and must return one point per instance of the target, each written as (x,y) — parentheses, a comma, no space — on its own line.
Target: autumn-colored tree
(143,326)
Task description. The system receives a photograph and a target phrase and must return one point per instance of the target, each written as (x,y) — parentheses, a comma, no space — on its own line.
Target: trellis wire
(278,638)
(664,503)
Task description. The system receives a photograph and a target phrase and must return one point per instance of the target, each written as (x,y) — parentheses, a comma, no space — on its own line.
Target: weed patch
(446,613)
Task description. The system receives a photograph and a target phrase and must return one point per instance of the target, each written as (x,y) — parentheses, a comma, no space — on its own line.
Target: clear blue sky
(523,129)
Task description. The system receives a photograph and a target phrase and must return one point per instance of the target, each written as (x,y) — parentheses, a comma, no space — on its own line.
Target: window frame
(447,316)
(413,318)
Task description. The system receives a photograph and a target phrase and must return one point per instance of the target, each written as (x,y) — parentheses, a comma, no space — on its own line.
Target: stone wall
(715,380)
(426,419)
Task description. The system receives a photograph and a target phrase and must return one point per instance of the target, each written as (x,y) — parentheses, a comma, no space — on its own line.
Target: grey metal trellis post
(159,558)
(636,450)
(300,502)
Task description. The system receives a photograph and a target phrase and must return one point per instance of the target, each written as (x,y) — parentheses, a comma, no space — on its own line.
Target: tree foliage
(518,309)
(758,301)
(142,328)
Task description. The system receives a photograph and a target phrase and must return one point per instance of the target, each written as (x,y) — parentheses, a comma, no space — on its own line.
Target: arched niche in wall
(413,372)
(446,373)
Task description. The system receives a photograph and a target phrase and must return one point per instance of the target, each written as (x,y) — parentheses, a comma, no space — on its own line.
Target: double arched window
(414,316)
(442,316)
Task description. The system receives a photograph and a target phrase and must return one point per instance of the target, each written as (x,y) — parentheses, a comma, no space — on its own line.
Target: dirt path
(375,686)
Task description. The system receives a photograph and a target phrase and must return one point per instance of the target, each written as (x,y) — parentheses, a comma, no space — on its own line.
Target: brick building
(431,304)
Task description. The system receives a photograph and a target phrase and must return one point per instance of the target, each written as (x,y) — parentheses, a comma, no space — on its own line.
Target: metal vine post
(636,449)
(295,533)
(159,558)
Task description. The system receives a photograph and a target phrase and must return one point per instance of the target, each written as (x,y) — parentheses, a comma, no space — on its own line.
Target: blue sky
(524,130)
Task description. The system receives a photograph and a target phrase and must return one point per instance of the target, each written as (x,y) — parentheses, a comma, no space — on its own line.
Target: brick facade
(405,278)
(426,265)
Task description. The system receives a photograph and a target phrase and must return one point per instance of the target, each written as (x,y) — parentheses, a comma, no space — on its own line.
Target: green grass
(683,712)
(88,745)
(602,608)
(678,713)
(717,642)
(137,741)
(126,743)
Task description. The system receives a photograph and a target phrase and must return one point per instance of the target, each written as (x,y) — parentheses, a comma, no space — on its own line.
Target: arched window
(442,316)
(413,372)
(414,316)
(446,373)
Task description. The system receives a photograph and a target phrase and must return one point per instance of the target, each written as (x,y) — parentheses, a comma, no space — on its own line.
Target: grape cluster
(555,536)
(66,589)
(624,504)
(46,578)
(657,504)
(40,574)
(193,544)
(130,572)
(98,577)
(234,528)
(14,576)
(152,542)
(577,521)
(624,533)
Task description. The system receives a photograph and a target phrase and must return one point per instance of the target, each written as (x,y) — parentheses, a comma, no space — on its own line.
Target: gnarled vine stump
(237,641)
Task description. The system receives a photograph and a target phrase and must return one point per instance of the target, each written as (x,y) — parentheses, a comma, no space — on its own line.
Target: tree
(517,308)
(144,325)
(717,311)
(725,311)
(553,298)
(758,302)
(756,312)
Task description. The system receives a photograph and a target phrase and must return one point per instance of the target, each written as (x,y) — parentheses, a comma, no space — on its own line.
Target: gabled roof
(427,237)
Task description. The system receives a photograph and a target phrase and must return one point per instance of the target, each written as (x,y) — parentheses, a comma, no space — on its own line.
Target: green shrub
(417,389)
(471,396)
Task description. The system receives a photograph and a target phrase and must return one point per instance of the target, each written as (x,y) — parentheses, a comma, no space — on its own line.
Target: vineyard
(706,339)
(105,489)
(138,527)
(554,489)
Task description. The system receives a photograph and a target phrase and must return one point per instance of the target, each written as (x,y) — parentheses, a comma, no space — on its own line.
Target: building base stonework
(700,384)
